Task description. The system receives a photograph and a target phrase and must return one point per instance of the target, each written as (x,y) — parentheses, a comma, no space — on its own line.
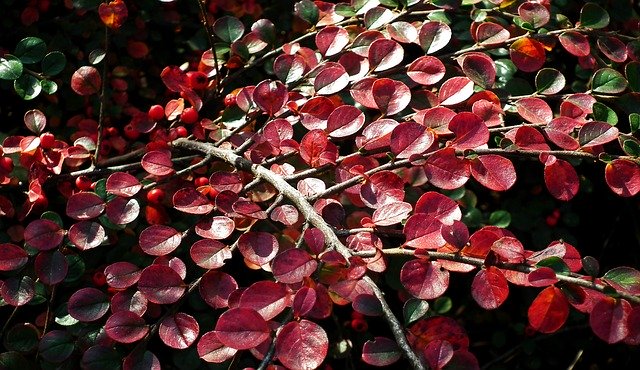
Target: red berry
(131,132)
(189,115)
(83,183)
(230,100)
(99,279)
(112,131)
(359,325)
(7,164)
(155,214)
(47,140)
(155,195)
(156,112)
(182,131)
(201,181)
(198,80)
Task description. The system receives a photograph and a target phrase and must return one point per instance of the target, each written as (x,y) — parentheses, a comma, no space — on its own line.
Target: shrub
(194,185)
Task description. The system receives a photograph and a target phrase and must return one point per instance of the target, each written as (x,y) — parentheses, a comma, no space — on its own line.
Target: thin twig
(103,98)
(209,31)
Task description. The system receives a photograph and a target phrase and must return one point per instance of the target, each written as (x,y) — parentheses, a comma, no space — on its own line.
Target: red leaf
(191,201)
(121,275)
(377,134)
(215,288)
(527,54)
(289,68)
(481,241)
(612,48)
(391,214)
(35,121)
(344,121)
(331,80)
(410,138)
(12,257)
(361,92)
(608,319)
(241,328)
(623,177)
(426,70)
(303,301)
(18,290)
(158,162)
(390,96)
(470,131)
(122,211)
(633,322)
(490,288)
(43,234)
(209,254)
(455,90)
(489,33)
(216,227)
(381,351)
(302,345)
(535,14)
(434,36)
(179,331)
(435,328)
(51,267)
(85,206)
(331,40)
(384,54)
(528,137)
(509,249)
(382,188)
(575,43)
(86,81)
(561,179)
(137,360)
(88,304)
(494,172)
(549,311)
(270,96)
(424,279)
(438,206)
(113,13)
(446,171)
(258,247)
(159,240)
(211,349)
(123,184)
(437,118)
(479,67)
(161,284)
(438,353)
(596,133)
(534,110)
(293,265)
(543,276)
(268,298)
(315,113)
(316,150)
(126,327)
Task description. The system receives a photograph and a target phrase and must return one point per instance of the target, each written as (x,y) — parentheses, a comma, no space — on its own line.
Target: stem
(103,98)
(208,31)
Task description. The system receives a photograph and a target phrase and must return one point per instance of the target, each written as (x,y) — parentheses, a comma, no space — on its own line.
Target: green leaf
(52,216)
(49,87)
(308,11)
(556,264)
(549,81)
(505,68)
(632,71)
(500,218)
(605,114)
(96,56)
(608,81)
(76,268)
(593,16)
(625,278)
(631,147)
(390,3)
(345,10)
(31,50)
(27,87)
(228,29)
(591,266)
(634,122)
(10,67)
(414,309)
(523,24)
(442,305)
(53,63)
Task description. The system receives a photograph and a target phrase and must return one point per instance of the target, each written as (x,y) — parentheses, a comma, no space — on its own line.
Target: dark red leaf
(433,328)
(331,40)
(331,80)
(391,213)
(490,288)
(434,36)
(438,353)
(161,284)
(535,14)
(302,345)
(122,211)
(216,227)
(437,118)
(575,43)
(258,247)
(12,257)
(88,304)
(608,319)
(209,254)
(623,177)
(215,288)
(612,48)
(438,206)
(138,360)
(534,110)
(51,267)
(455,90)
(561,179)
(489,33)
(528,137)
(549,311)
(123,184)
(17,290)
(158,162)
(382,188)
(289,68)
(316,150)
(43,234)
(179,331)
(470,131)
(493,171)
(446,171)
(85,206)
(424,279)
(270,96)
(390,96)
(241,328)
(384,54)
(86,81)
(361,92)
(315,113)
(596,133)
(211,349)
(527,54)
(221,181)
(126,327)
(426,70)
(377,134)
(129,300)
(411,138)
(159,240)
(344,121)
(286,214)
(190,200)
(381,351)
(479,67)
(543,276)
(121,275)
(268,298)
(293,265)
(509,249)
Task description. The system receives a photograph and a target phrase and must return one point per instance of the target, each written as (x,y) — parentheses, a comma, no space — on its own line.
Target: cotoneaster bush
(390,183)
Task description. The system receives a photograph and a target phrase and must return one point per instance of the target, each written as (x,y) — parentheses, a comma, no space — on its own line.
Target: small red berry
(99,279)
(359,325)
(83,183)
(131,132)
(155,195)
(189,115)
(198,80)
(7,164)
(182,131)
(230,100)
(156,112)
(201,181)
(112,131)
(47,140)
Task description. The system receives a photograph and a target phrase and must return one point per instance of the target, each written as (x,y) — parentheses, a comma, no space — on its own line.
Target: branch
(313,218)
(103,97)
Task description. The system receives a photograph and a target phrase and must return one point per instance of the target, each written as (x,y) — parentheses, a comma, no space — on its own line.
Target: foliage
(192,185)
